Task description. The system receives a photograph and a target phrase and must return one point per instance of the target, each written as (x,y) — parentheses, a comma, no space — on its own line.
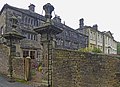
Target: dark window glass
(32,54)
(32,37)
(25,53)
(28,36)
(25,19)
(28,20)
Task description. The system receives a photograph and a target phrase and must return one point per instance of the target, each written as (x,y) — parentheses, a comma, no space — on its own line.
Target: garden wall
(76,69)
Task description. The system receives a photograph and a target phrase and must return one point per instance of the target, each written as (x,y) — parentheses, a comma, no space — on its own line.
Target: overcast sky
(105,13)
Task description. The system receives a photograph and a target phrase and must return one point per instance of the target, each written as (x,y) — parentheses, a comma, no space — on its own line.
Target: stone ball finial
(48,10)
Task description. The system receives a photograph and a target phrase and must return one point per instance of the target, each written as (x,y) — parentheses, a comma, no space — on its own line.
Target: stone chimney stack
(81,23)
(32,7)
(95,26)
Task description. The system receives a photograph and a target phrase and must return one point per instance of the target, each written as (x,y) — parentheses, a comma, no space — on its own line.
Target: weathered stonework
(4,56)
(76,69)
(70,69)
(18,68)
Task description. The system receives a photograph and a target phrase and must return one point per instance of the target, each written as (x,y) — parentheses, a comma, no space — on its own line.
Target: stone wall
(76,69)
(18,63)
(70,68)
(4,56)
(19,68)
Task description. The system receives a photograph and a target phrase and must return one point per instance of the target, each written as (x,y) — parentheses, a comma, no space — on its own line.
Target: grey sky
(105,13)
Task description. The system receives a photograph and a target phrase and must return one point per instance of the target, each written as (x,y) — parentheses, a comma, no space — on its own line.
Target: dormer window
(26,19)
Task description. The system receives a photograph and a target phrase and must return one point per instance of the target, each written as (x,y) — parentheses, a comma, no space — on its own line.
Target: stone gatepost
(48,31)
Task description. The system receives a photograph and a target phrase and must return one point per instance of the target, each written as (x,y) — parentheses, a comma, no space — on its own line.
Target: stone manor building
(103,40)
(28,20)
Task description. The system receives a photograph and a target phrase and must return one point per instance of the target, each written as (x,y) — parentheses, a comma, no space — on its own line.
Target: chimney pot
(95,26)
(81,23)
(32,7)
(57,19)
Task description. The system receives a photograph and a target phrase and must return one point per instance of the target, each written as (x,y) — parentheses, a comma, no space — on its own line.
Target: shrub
(87,49)
(96,50)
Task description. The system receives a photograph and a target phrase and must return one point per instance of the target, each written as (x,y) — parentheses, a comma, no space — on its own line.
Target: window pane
(32,54)
(25,53)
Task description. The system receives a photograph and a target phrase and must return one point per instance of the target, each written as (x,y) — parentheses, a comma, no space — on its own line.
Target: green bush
(87,49)
(96,50)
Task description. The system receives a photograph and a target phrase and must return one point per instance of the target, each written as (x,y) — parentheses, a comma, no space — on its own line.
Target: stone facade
(28,19)
(102,40)
(76,69)
(59,68)
(69,38)
(110,45)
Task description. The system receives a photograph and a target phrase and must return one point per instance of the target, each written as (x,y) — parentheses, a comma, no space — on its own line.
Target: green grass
(21,81)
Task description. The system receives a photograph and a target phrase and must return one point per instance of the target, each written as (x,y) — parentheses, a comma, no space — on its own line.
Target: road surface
(4,83)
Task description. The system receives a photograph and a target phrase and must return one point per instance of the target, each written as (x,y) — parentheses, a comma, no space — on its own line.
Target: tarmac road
(4,83)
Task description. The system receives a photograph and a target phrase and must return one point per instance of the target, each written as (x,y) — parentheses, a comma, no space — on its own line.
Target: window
(75,45)
(28,20)
(37,23)
(25,53)
(31,36)
(34,36)
(32,54)
(67,43)
(25,19)
(29,53)
(66,33)
(28,36)
(75,35)
(24,33)
(58,41)
(2,30)
(32,22)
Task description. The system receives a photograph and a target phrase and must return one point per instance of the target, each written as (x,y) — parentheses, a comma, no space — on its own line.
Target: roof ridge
(25,11)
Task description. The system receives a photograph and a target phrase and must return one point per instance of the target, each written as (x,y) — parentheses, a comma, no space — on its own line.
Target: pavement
(5,83)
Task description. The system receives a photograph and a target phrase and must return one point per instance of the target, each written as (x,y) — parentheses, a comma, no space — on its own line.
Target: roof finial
(48,10)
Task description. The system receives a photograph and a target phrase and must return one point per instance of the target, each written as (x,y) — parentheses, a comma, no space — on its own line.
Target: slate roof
(25,11)
(41,17)
(65,27)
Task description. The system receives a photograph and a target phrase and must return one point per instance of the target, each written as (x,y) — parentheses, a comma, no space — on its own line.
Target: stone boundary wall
(19,68)
(18,63)
(76,69)
(4,56)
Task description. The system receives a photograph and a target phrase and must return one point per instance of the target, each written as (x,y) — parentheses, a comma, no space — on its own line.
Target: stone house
(102,40)
(28,19)
(110,45)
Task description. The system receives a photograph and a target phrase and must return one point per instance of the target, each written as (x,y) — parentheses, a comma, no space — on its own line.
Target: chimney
(95,26)
(32,7)
(81,21)
(57,19)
